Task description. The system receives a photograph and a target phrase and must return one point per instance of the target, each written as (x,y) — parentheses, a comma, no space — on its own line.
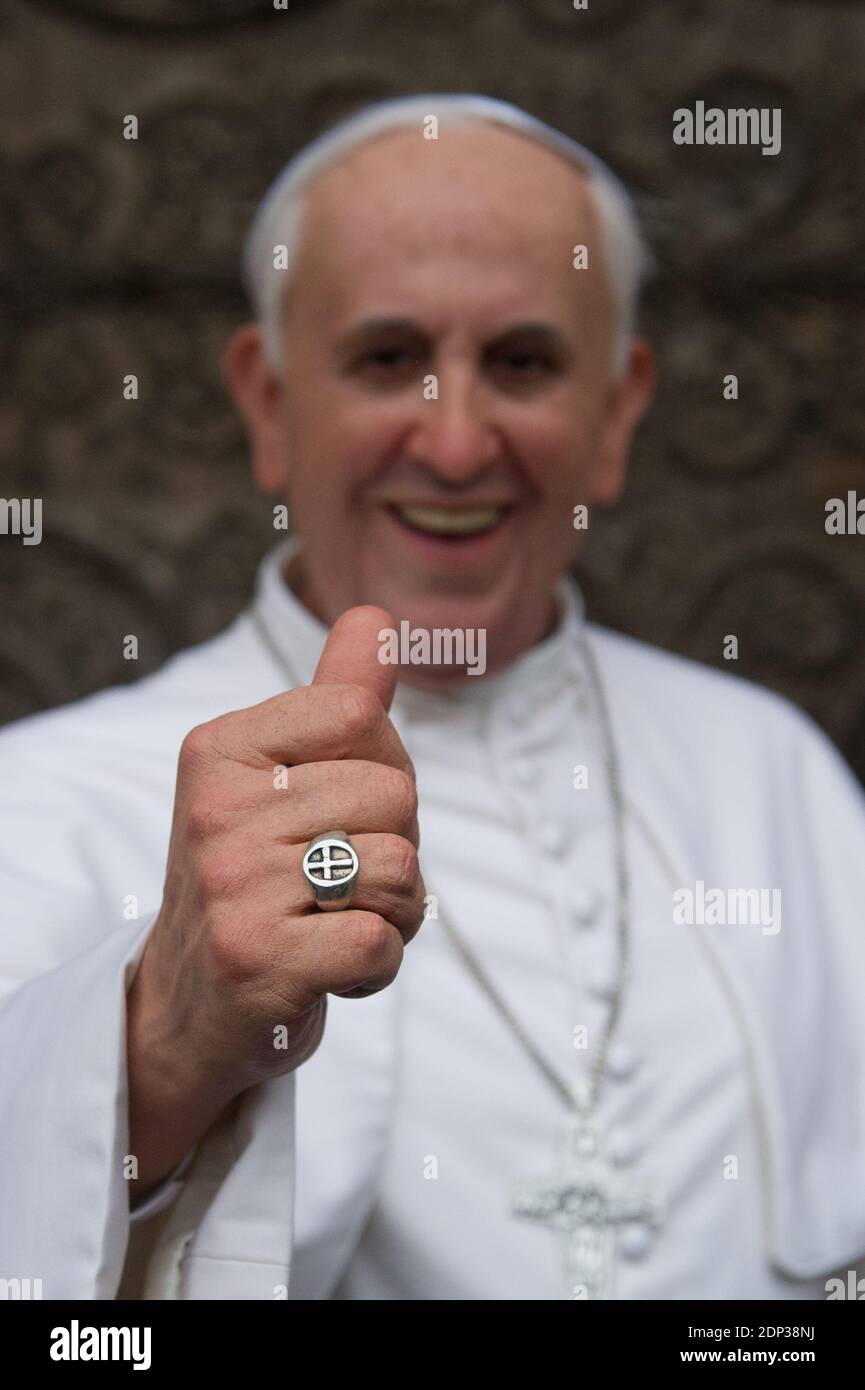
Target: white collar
(299,637)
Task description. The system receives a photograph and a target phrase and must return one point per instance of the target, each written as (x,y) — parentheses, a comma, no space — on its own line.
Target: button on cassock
(603,981)
(634,1241)
(623,1145)
(585,905)
(553,836)
(622,1061)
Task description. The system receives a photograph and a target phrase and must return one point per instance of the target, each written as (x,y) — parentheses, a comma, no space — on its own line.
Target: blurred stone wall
(121,256)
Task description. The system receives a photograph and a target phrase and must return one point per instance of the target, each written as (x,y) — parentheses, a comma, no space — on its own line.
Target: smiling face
(446,395)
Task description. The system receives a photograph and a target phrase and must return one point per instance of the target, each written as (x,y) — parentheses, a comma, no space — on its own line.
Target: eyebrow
(368,328)
(543,334)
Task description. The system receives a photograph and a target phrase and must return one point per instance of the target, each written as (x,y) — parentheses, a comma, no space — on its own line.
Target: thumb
(351,653)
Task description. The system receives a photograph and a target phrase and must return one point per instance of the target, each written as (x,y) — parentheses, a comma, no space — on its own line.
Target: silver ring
(331,868)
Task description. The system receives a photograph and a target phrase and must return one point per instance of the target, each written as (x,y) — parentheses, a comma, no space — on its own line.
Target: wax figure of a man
(624,1055)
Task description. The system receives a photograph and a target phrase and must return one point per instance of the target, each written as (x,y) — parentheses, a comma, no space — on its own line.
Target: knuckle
(205,817)
(371,940)
(206,743)
(196,748)
(401,796)
(360,711)
(403,869)
(221,875)
(231,954)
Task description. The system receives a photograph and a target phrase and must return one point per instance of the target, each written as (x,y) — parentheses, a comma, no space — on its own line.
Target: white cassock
(382,1168)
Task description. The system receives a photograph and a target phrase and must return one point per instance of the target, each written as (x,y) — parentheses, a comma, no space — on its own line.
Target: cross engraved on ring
(334,863)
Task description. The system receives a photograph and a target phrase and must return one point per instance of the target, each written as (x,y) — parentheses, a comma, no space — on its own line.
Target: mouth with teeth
(451,524)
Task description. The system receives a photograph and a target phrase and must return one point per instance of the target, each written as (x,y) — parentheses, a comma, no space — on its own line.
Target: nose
(455,435)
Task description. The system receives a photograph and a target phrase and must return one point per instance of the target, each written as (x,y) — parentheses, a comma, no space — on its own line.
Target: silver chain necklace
(584,1200)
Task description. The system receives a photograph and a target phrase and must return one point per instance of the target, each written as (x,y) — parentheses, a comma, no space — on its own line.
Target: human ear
(629,399)
(257,390)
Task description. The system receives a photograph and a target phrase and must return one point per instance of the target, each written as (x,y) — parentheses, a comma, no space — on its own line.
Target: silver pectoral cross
(586,1200)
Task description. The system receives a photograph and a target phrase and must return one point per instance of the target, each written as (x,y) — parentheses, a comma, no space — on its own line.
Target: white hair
(277,219)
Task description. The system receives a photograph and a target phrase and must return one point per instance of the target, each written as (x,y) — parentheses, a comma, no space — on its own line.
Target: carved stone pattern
(121,257)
